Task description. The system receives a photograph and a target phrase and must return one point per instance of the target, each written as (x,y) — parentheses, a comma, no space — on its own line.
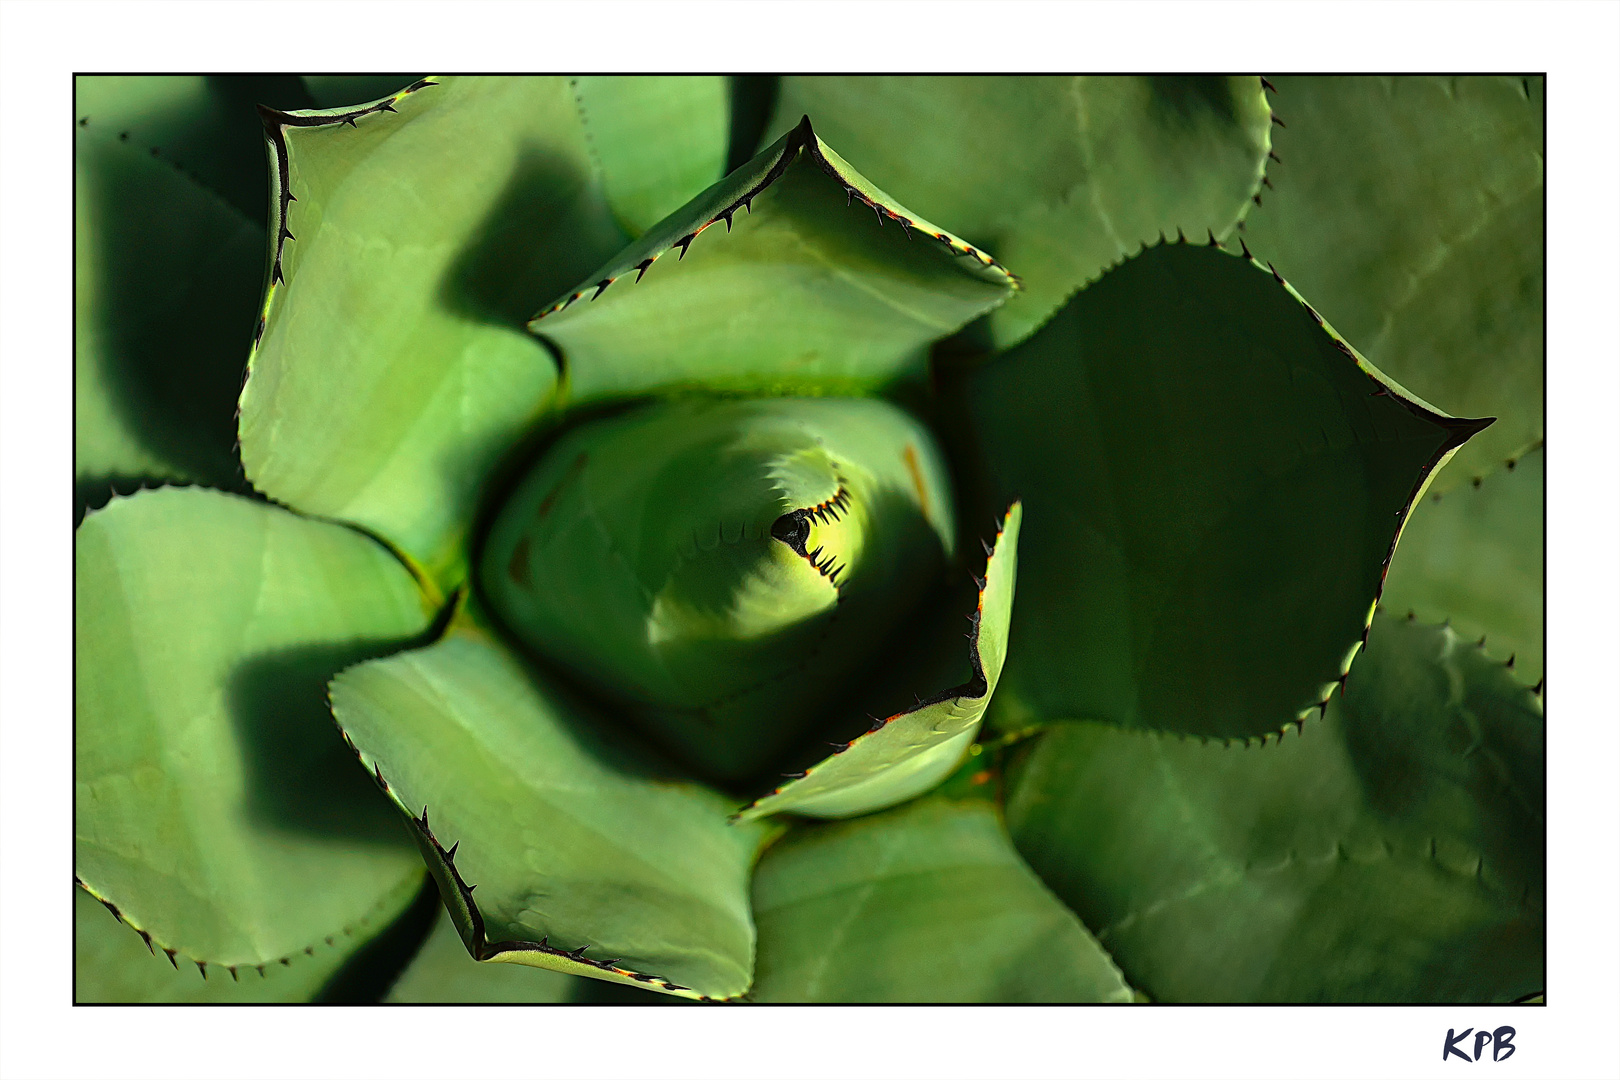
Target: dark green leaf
(1393,851)
(1212,481)
(1409,209)
(1475,556)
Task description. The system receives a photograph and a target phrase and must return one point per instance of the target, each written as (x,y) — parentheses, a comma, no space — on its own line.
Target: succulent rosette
(817,539)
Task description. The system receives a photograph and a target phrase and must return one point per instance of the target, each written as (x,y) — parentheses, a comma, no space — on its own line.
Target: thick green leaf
(443,974)
(112,964)
(1410,210)
(393,369)
(1393,851)
(214,803)
(912,751)
(168,262)
(927,902)
(801,292)
(724,570)
(1475,557)
(659,140)
(1060,176)
(514,789)
(1214,482)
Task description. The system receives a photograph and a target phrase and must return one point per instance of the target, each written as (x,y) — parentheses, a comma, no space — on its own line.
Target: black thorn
(685,242)
(641,267)
(1274,273)
(1478,480)
(839,747)
(1511,658)
(1275,119)
(727,217)
(450,856)
(988,550)
(795,775)
(275,274)
(348,120)
(286,233)
(1256,198)
(1245,248)
(1265,82)
(1536,689)
(170,954)
(748,204)
(1181,237)
(1266,180)
(202,968)
(1272,154)
(232,970)
(387,106)
(601,287)
(290,197)
(977,580)
(905,226)
(876,209)
(1411,616)
(84,121)
(849,196)
(876,725)
(1480,644)
(578,953)
(424,818)
(1212,241)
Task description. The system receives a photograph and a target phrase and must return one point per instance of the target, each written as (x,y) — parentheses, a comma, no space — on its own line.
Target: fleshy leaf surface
(1060,176)
(412,238)
(214,802)
(722,570)
(1392,851)
(514,790)
(1410,210)
(1214,481)
(657,139)
(1475,556)
(113,965)
(927,902)
(168,262)
(442,973)
(805,289)
(910,752)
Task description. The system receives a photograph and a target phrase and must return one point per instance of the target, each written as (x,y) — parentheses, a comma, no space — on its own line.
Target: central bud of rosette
(725,571)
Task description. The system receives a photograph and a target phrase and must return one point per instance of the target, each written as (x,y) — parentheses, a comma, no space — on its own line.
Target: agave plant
(619,458)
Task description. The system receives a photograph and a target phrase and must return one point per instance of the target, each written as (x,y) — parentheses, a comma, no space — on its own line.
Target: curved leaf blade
(1215,483)
(910,752)
(391,368)
(1475,558)
(1060,176)
(1409,209)
(1394,851)
(570,842)
(799,293)
(214,803)
(113,964)
(168,262)
(927,902)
